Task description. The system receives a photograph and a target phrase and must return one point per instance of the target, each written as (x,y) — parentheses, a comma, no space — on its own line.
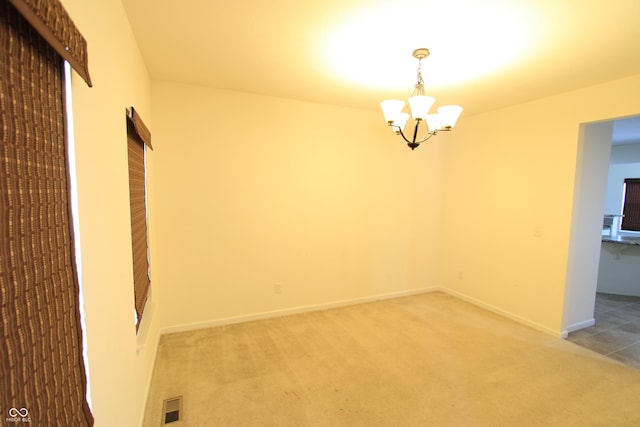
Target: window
(138,138)
(631,205)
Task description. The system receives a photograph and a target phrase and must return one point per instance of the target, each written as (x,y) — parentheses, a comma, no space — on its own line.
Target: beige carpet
(426,360)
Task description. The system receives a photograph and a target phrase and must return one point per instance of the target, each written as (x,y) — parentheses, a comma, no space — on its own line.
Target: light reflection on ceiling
(467,39)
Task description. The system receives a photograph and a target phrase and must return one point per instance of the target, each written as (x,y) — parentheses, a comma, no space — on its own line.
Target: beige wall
(119,370)
(255,191)
(509,193)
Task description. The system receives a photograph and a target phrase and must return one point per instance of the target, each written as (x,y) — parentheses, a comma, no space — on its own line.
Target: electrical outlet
(277,288)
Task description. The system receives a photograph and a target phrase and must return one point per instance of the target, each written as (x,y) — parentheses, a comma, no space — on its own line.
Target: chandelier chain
(420,84)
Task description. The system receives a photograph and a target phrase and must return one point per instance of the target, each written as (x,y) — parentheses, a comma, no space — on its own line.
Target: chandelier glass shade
(425,125)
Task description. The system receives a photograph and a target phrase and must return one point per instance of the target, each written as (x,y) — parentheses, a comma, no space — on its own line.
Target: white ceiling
(485,54)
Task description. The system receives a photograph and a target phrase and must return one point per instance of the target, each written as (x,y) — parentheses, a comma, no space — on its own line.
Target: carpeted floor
(425,360)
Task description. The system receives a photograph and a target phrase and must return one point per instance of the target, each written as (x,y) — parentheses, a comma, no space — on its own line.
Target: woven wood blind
(138,136)
(631,208)
(42,374)
(51,21)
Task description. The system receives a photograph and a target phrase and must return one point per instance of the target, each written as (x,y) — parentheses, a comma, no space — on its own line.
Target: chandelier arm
(402,135)
(415,130)
(413,141)
(429,135)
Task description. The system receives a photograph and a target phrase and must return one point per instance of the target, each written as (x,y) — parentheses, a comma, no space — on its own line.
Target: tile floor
(616,333)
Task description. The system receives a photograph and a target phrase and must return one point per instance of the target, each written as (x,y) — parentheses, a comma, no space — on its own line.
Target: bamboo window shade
(42,377)
(138,136)
(51,21)
(631,208)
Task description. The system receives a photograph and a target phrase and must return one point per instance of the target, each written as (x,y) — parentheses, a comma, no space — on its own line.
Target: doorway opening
(600,145)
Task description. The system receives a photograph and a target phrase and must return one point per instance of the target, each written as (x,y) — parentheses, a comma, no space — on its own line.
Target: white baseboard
(509,315)
(290,311)
(343,303)
(578,326)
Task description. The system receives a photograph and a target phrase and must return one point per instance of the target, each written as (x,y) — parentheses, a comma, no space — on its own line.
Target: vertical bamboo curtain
(42,376)
(138,136)
(631,209)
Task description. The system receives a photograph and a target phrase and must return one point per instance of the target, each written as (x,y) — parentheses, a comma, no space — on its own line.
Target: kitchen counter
(619,268)
(624,240)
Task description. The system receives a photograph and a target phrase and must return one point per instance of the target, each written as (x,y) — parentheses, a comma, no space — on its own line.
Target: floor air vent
(172,410)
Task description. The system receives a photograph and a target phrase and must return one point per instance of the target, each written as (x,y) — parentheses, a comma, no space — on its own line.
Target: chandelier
(419,103)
